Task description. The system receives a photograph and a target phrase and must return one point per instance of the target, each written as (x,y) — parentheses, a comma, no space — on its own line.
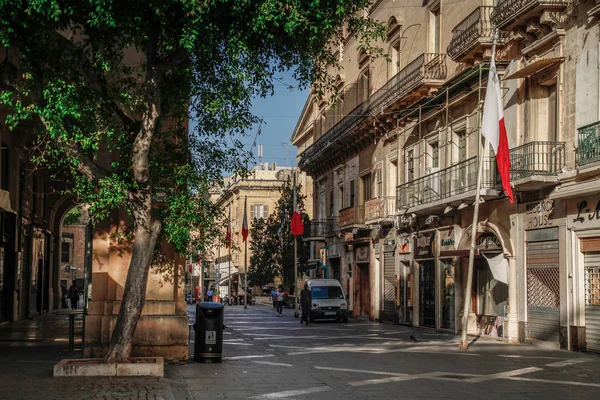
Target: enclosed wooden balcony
(472,37)
(509,14)
(377,210)
(351,216)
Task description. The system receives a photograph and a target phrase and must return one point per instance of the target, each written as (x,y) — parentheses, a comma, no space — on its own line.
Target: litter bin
(208,347)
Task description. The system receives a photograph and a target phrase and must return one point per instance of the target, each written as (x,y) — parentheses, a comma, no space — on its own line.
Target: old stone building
(395,166)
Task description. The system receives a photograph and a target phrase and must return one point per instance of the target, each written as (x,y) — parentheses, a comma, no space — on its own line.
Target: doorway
(362,291)
(427,293)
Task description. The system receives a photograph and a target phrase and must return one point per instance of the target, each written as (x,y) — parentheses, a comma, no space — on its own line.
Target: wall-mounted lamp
(462,205)
(448,209)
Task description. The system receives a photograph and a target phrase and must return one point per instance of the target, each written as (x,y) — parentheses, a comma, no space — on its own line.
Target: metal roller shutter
(389,313)
(543,291)
(592,300)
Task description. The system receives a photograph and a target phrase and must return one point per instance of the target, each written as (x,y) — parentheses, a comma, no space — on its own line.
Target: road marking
(233,340)
(566,363)
(360,371)
(273,337)
(290,393)
(272,363)
(506,374)
(247,357)
(397,378)
(573,383)
(239,344)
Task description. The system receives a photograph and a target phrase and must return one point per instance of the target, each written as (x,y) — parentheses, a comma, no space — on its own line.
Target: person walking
(210,295)
(274,298)
(74,295)
(305,303)
(280,299)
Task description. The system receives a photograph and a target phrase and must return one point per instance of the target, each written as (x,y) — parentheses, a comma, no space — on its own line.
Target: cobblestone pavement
(270,357)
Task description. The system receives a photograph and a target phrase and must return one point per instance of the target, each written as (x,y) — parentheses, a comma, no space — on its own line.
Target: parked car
(328,300)
(189,298)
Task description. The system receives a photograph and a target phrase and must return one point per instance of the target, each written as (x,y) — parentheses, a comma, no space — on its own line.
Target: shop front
(448,263)
(362,280)
(405,278)
(425,258)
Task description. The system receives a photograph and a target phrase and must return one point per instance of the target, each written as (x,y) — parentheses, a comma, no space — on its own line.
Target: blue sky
(280,113)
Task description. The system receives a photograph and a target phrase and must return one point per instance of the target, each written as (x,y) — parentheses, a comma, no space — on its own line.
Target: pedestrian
(210,294)
(280,299)
(74,295)
(305,303)
(274,298)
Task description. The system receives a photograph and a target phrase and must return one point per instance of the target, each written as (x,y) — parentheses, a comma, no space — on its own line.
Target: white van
(328,300)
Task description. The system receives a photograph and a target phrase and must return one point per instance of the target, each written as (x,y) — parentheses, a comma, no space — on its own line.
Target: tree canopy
(107,89)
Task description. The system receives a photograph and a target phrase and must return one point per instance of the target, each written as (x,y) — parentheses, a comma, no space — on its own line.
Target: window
(331,205)
(552,114)
(363,86)
(378,182)
(259,211)
(462,145)
(65,253)
(341,197)
(410,165)
(351,193)
(435,154)
(435,30)
(5,177)
(395,50)
(366,182)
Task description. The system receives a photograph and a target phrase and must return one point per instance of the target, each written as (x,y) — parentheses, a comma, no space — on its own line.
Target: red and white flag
(296,225)
(245,223)
(494,130)
(228,236)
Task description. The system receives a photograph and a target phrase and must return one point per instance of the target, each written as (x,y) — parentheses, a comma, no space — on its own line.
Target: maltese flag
(245,222)
(296,225)
(494,130)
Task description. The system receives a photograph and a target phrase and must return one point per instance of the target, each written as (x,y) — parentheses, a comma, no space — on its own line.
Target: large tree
(263,267)
(107,88)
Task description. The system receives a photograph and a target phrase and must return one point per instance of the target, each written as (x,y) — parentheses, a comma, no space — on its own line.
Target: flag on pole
(228,236)
(297,226)
(494,130)
(245,223)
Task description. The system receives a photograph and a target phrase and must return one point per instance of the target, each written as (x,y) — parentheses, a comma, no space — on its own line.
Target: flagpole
(464,344)
(245,259)
(229,246)
(295,259)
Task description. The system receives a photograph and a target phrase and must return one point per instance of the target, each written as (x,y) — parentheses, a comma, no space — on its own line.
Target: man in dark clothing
(305,303)
(74,295)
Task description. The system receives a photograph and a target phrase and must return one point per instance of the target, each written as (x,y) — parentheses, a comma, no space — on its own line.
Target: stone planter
(138,366)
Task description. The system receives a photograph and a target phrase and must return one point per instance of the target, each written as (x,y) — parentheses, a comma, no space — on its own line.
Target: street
(268,357)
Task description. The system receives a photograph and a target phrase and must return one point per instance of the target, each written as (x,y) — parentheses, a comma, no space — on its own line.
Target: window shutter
(266,211)
(252,212)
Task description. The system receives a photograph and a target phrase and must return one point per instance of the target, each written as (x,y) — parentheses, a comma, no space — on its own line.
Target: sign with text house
(424,245)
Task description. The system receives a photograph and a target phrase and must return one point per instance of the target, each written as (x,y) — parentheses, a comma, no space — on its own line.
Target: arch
(393,27)
(485,226)
(363,57)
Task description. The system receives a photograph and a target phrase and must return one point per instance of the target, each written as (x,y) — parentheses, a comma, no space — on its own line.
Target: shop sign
(538,214)
(424,247)
(447,240)
(362,254)
(587,212)
(488,241)
(348,236)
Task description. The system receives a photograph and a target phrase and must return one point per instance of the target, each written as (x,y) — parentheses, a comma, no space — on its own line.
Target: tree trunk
(147,233)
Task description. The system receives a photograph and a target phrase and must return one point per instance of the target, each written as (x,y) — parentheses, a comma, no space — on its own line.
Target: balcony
(588,147)
(452,184)
(511,13)
(351,216)
(379,209)
(320,229)
(472,36)
(412,82)
(536,165)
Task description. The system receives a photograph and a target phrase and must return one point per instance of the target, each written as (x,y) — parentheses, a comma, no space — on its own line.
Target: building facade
(261,190)
(395,166)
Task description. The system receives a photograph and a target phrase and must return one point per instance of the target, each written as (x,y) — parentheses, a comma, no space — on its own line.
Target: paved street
(270,357)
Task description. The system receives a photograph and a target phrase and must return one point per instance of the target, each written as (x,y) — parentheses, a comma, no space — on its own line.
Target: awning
(499,266)
(535,67)
(5,201)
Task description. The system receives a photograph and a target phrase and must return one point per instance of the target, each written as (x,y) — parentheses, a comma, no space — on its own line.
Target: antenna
(260,153)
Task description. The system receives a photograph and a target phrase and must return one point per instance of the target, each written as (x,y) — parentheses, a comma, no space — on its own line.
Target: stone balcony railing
(588,144)
(446,183)
(378,209)
(509,13)
(426,68)
(349,216)
(472,34)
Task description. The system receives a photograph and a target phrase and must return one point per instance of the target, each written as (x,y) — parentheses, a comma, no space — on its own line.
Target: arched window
(393,28)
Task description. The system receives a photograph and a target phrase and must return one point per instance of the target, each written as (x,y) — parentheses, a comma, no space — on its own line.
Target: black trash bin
(208,347)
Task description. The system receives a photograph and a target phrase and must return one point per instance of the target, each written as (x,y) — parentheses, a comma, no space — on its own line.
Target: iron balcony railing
(537,158)
(457,179)
(466,34)
(351,216)
(511,10)
(588,144)
(320,228)
(382,207)
(428,66)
